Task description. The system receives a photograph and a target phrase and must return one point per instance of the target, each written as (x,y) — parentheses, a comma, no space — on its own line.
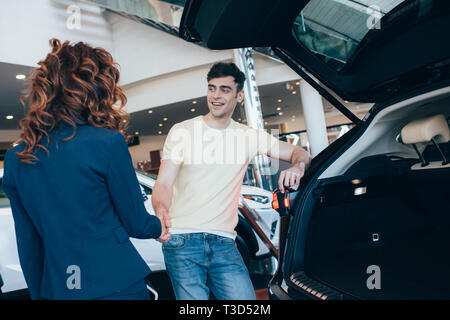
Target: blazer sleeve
(126,193)
(29,243)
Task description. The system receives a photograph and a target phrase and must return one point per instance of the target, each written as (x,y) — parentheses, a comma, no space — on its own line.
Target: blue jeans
(198,263)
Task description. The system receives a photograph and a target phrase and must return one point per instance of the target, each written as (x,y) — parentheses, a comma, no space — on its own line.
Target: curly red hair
(74,84)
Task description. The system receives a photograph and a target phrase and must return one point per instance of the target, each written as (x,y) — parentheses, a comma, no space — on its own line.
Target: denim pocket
(225,240)
(177,241)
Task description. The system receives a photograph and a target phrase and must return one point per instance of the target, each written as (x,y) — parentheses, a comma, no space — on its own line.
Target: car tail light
(286,202)
(280,202)
(275,204)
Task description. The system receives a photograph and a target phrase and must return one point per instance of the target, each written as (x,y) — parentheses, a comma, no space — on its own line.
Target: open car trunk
(401,224)
(384,210)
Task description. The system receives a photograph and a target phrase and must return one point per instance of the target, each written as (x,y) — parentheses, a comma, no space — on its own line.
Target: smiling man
(198,187)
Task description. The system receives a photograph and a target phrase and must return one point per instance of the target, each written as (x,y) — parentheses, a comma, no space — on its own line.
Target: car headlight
(257,198)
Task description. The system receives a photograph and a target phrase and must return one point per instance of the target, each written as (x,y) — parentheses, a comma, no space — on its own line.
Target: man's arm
(162,193)
(297,156)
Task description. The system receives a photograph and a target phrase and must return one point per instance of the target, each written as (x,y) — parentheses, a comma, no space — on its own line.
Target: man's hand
(165,234)
(297,156)
(291,176)
(163,215)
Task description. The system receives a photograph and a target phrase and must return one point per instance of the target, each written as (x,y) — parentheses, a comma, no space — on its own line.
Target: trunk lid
(363,51)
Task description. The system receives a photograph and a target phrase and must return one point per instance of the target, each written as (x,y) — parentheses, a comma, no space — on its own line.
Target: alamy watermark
(73,22)
(374,280)
(74,279)
(235,146)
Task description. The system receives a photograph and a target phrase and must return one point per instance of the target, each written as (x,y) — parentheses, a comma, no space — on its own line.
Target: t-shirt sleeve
(174,146)
(266,142)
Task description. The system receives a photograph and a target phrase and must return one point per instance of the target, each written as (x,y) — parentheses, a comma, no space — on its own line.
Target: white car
(248,242)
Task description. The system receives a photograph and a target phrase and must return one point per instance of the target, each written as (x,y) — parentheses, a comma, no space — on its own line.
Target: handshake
(164,217)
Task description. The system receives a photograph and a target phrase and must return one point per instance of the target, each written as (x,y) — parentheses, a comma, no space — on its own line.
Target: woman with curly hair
(73,190)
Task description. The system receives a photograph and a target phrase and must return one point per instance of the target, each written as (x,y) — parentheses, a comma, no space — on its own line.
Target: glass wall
(166,12)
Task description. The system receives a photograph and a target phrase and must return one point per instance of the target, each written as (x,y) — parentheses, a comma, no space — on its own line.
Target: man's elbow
(300,155)
(306,155)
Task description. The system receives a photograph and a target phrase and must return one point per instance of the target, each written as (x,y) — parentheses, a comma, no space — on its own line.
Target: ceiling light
(164,119)
(159,132)
(21,76)
(193,109)
(297,83)
(278,109)
(346,101)
(266,123)
(294,92)
(239,119)
(9,117)
(124,121)
(280,113)
(280,100)
(160,124)
(150,111)
(136,133)
(194,102)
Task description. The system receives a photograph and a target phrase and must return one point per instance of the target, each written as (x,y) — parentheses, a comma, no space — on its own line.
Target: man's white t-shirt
(213,164)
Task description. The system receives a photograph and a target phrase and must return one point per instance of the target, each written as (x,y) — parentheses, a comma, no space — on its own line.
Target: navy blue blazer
(74,211)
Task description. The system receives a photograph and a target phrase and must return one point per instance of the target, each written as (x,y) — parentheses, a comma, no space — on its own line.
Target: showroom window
(335,36)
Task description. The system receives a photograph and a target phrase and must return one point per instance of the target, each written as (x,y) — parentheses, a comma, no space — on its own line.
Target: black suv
(371,219)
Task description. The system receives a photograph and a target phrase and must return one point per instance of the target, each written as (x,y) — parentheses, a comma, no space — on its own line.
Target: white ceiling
(147,124)
(11,89)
